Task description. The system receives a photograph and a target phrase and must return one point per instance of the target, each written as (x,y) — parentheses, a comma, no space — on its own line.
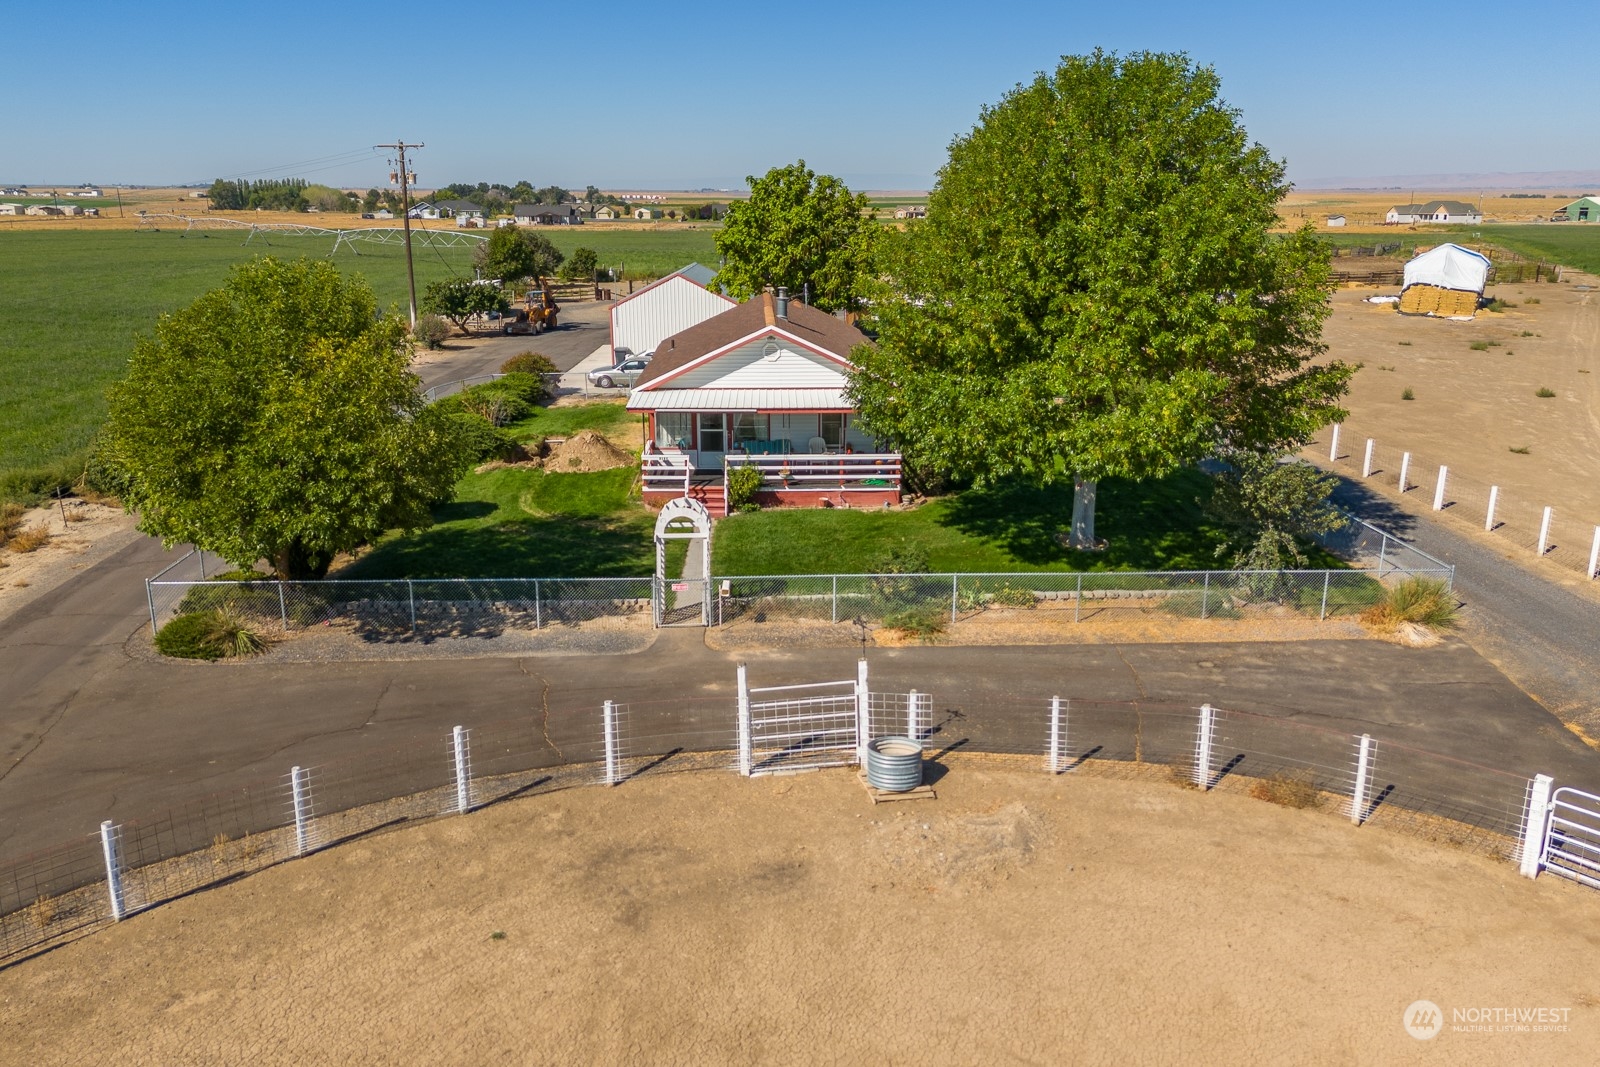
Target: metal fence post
(913,715)
(1202,747)
(863,712)
(1077,601)
(1535,825)
(538,607)
(1205,597)
(954,593)
(1438,491)
(744,723)
(1358,795)
(608,720)
(1333,450)
(150,598)
(202,553)
(1594,554)
(1405,471)
(411,600)
(1366,463)
(1323,614)
(1494,494)
(1544,531)
(459,746)
(835,598)
(1383,550)
(1054,764)
(110,842)
(283,606)
(302,809)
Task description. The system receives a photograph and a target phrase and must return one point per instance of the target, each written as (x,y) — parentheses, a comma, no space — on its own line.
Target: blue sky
(631,95)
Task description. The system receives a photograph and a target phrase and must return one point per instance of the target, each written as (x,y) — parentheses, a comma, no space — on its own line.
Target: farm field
(705,918)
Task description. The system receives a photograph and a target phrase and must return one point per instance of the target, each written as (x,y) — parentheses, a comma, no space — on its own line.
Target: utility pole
(405,178)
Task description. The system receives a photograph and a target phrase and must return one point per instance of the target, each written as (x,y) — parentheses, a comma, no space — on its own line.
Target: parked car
(623,375)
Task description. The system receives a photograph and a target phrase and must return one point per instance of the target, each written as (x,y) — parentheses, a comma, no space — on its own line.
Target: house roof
(740,400)
(528,211)
(755,317)
(694,272)
(1454,207)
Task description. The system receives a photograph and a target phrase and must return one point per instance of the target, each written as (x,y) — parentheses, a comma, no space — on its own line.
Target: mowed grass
(639,252)
(1150,526)
(74,301)
(1571,244)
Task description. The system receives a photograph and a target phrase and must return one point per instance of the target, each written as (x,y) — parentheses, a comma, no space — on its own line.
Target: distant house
(423,210)
(1583,209)
(1434,211)
(44,209)
(642,320)
(451,209)
(644,214)
(913,212)
(1335,220)
(604,213)
(20,190)
(548,215)
(85,191)
(11,209)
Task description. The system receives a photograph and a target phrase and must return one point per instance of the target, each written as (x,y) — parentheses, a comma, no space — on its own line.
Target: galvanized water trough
(894,764)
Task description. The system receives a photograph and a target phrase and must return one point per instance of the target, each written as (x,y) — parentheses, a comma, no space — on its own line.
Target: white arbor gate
(802,727)
(683,600)
(1572,836)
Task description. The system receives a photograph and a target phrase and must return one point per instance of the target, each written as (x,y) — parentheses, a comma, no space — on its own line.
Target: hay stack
(1423,299)
(583,452)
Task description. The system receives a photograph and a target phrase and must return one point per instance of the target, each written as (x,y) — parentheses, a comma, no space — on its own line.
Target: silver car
(623,375)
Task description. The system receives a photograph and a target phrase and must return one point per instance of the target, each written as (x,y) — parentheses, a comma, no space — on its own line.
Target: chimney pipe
(783,302)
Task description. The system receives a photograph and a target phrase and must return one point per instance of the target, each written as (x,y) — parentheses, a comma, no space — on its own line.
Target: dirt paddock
(704,918)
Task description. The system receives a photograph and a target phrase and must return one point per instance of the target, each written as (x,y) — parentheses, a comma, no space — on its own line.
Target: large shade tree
(512,254)
(1097,292)
(275,418)
(802,230)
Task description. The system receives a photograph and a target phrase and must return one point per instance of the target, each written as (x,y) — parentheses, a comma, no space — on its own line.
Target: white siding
(670,307)
(750,367)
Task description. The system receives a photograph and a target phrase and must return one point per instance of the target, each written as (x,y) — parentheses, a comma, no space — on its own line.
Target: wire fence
(108,874)
(1540,528)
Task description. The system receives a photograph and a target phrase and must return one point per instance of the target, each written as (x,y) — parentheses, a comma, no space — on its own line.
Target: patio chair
(817,446)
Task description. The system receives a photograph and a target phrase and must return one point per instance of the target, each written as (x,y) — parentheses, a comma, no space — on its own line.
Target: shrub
(481,439)
(102,474)
(10,520)
(1195,603)
(29,540)
(1545,393)
(1498,305)
(1013,596)
(1479,346)
(534,363)
(432,330)
(209,635)
(743,485)
(1521,450)
(888,591)
(1420,601)
(925,622)
(1407,394)
(1288,790)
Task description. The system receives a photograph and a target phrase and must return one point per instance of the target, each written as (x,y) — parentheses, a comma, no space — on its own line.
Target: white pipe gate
(802,727)
(1572,836)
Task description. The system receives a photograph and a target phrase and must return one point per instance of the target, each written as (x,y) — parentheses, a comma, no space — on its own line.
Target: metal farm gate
(802,727)
(1572,836)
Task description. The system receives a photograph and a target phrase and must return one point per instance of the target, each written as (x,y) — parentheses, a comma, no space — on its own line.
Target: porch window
(744,429)
(672,429)
(832,430)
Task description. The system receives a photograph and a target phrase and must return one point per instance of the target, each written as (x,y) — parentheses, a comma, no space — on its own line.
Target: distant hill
(1552,181)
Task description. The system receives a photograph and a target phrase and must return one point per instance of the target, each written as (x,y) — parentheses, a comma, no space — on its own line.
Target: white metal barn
(644,319)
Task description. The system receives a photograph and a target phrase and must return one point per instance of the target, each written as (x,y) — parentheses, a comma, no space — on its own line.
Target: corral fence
(463,607)
(1507,511)
(117,868)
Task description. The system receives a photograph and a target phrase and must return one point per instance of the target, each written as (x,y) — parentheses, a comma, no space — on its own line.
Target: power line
(405,178)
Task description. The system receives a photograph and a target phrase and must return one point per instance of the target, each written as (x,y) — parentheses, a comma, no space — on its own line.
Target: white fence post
(1366,463)
(744,723)
(609,723)
(1205,596)
(913,715)
(459,747)
(863,713)
(1333,450)
(1438,490)
(1488,521)
(110,842)
(1054,765)
(1323,614)
(411,600)
(302,809)
(1544,531)
(835,598)
(1594,554)
(954,594)
(1358,795)
(1202,746)
(1405,471)
(1077,601)
(1535,825)
(150,598)
(283,606)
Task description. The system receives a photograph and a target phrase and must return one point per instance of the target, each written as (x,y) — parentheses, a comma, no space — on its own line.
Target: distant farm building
(644,319)
(643,213)
(1583,209)
(604,213)
(1446,281)
(1335,220)
(10,209)
(1440,211)
(914,212)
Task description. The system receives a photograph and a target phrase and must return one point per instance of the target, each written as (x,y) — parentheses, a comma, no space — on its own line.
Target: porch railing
(823,473)
(662,470)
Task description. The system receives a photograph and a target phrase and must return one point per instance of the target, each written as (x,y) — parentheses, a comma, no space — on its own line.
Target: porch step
(712,496)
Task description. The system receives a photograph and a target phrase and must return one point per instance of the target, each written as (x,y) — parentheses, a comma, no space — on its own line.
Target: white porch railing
(665,470)
(825,472)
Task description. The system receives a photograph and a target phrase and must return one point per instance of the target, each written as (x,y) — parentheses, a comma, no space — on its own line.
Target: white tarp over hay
(1449,267)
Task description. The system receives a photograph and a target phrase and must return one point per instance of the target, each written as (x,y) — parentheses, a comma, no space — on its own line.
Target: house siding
(748,367)
(665,309)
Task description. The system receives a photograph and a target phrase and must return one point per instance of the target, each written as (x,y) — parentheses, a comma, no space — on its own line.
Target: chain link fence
(100,877)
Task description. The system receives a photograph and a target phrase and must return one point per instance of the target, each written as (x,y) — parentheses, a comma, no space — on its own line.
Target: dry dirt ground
(1364,210)
(89,533)
(705,918)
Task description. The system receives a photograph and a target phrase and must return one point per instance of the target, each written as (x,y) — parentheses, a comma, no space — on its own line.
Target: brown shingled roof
(816,328)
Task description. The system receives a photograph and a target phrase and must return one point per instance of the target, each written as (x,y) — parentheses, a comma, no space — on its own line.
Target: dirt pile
(585,451)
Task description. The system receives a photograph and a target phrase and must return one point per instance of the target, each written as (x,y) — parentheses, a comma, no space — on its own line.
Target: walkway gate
(802,727)
(1572,836)
(685,600)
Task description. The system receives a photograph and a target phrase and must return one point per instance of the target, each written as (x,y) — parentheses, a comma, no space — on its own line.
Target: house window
(672,429)
(832,430)
(744,428)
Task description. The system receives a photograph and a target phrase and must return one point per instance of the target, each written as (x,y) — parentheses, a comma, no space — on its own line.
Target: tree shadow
(533,547)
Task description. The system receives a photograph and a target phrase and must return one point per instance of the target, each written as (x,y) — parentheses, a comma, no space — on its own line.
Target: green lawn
(1151,526)
(1570,244)
(640,253)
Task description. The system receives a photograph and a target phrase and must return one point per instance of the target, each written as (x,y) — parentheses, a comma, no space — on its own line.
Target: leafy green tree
(522,192)
(275,418)
(327,198)
(371,200)
(460,300)
(1095,291)
(580,266)
(797,229)
(552,194)
(512,253)
(228,196)
(1268,504)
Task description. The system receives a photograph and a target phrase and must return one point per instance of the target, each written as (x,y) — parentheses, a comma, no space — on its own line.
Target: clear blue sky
(663,96)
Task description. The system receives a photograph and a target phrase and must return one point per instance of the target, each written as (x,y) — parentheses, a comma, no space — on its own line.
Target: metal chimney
(783,302)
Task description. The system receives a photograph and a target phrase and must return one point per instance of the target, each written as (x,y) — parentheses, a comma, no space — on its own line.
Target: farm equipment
(538,312)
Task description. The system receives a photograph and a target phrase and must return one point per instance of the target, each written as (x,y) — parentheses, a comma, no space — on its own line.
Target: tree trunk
(295,562)
(1082,535)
